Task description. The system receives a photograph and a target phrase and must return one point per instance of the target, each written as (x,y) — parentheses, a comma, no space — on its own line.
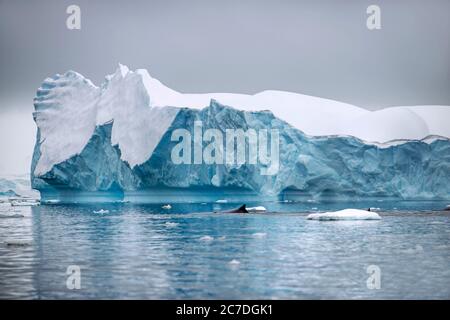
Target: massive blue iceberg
(114,162)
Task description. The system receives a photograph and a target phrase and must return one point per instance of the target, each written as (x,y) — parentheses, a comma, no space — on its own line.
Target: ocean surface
(133,251)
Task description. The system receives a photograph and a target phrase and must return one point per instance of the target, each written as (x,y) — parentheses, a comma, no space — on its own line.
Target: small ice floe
(447,208)
(221,201)
(256,209)
(436,222)
(101,211)
(221,238)
(374,209)
(9,215)
(167,207)
(234,262)
(346,214)
(206,238)
(122,201)
(171,224)
(18,243)
(259,235)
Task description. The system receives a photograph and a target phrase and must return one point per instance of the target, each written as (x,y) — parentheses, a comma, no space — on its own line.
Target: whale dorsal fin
(242,208)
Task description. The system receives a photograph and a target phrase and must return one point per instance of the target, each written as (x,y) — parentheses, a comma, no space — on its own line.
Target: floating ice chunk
(346,214)
(259,235)
(234,262)
(101,211)
(171,224)
(221,201)
(167,207)
(122,201)
(206,238)
(256,209)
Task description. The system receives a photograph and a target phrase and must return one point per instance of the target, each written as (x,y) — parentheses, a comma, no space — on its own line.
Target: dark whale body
(241,209)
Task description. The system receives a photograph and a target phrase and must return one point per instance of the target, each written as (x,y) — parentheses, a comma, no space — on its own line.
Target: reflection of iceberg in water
(140,251)
(18,255)
(108,249)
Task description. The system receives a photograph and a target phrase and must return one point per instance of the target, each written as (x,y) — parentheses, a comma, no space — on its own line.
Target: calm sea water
(144,251)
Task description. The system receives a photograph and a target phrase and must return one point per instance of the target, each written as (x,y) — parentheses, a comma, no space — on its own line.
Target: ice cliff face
(117,138)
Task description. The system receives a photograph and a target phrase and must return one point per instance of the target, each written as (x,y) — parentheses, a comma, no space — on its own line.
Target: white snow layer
(69,107)
(346,214)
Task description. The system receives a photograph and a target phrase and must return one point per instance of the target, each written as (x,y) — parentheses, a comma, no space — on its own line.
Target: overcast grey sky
(315,47)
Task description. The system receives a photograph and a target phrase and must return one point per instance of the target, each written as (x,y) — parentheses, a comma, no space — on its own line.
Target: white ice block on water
(346,214)
(257,209)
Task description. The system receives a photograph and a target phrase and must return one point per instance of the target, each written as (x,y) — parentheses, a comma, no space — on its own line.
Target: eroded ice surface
(116,139)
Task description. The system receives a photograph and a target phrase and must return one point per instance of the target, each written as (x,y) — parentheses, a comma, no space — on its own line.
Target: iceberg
(346,214)
(17,186)
(114,142)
